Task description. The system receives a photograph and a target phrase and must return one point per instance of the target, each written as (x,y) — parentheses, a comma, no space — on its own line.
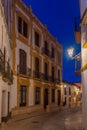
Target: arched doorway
(45,98)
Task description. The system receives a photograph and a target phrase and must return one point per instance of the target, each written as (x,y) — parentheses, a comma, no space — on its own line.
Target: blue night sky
(59,16)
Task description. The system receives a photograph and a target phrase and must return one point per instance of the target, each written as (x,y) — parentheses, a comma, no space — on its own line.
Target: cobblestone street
(70,119)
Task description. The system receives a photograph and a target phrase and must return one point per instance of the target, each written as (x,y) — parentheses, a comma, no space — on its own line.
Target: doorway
(8,103)
(45,98)
(59,97)
(3,105)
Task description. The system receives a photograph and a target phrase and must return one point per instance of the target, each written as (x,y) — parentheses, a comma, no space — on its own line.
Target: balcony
(6,72)
(24,70)
(5,69)
(45,51)
(77,30)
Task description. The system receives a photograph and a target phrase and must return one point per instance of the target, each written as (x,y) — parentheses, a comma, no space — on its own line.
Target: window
(22,27)
(52,53)
(46,45)
(22,95)
(46,70)
(25,27)
(37,95)
(36,64)
(22,62)
(37,39)
(53,95)
(36,67)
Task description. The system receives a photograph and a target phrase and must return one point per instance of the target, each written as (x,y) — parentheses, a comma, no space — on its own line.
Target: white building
(36,60)
(5,67)
(83,37)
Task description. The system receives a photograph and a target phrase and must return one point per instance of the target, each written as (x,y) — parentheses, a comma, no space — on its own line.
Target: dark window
(22,62)
(36,64)
(37,95)
(22,95)
(46,45)
(52,52)
(36,39)
(20,25)
(25,29)
(53,95)
(37,75)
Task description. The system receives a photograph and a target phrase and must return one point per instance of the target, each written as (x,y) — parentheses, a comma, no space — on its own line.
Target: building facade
(36,59)
(6,75)
(82,36)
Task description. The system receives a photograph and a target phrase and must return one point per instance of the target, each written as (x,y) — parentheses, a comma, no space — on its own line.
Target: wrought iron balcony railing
(5,69)
(24,70)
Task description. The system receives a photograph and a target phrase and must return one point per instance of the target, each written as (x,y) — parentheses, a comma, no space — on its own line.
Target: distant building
(71,95)
(81,34)
(36,61)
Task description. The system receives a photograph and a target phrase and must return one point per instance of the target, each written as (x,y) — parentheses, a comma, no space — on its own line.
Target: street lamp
(77,59)
(70,52)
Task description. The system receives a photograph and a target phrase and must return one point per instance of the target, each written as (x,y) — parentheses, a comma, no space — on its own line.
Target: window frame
(23,23)
(37,95)
(23,93)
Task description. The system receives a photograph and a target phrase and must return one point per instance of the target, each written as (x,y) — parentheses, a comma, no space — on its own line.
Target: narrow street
(70,119)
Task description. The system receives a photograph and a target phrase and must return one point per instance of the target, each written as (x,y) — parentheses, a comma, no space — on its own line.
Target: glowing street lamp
(70,52)
(77,59)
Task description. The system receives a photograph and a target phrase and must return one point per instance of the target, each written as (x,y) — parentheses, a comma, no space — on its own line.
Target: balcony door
(22,61)
(52,73)
(37,67)
(46,70)
(22,96)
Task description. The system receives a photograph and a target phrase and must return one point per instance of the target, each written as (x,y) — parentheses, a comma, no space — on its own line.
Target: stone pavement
(70,119)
